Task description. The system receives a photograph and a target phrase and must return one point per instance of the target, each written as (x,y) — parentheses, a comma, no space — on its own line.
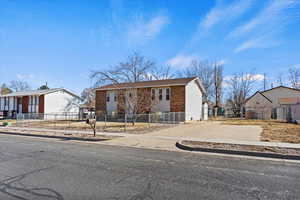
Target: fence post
(125,127)
(149,119)
(105,119)
(55,120)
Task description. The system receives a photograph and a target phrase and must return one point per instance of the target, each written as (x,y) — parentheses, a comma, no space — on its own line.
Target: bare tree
(204,71)
(134,69)
(160,73)
(280,80)
(240,87)
(294,75)
(18,85)
(134,101)
(217,84)
(88,97)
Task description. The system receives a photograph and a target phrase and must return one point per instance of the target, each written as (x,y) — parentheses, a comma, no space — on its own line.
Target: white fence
(289,113)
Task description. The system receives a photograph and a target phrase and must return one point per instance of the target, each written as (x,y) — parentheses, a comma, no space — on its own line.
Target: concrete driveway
(212,130)
(165,139)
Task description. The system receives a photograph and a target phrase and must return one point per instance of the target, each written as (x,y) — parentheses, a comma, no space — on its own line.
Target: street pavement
(32,168)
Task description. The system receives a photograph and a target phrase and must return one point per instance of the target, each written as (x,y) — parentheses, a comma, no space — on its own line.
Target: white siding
(111,105)
(162,105)
(33,104)
(259,106)
(193,101)
(277,93)
(57,102)
(10,105)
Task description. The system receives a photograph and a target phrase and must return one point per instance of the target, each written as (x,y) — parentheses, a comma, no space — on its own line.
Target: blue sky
(61,41)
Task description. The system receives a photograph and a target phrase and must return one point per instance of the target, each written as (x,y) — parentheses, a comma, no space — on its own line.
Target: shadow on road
(56,137)
(13,187)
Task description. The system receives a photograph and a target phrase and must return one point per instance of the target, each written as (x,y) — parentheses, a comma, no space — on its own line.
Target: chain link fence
(105,122)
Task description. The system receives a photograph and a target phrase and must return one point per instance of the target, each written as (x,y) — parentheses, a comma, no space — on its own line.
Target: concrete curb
(234,152)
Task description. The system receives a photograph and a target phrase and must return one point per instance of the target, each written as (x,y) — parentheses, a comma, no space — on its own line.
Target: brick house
(170,95)
(37,101)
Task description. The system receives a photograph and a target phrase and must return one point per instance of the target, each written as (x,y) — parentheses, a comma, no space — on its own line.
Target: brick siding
(41,104)
(177,99)
(25,103)
(100,102)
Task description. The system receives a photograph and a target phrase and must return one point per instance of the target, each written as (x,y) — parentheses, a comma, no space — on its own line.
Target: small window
(130,95)
(107,97)
(167,94)
(115,97)
(160,94)
(153,94)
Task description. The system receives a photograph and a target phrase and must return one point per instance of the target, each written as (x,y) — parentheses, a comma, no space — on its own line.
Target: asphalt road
(46,169)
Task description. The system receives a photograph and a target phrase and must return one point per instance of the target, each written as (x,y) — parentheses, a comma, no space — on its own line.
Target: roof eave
(121,88)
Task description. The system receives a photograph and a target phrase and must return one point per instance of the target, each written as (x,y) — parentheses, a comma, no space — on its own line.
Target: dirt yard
(273,131)
(138,128)
(206,130)
(239,147)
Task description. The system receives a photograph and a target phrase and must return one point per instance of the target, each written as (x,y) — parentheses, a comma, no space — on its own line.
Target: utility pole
(265,81)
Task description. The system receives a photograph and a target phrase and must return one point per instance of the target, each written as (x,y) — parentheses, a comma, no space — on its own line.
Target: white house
(269,103)
(184,95)
(39,101)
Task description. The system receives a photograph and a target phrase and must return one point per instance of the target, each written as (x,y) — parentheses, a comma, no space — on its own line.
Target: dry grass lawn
(101,126)
(273,131)
(12,121)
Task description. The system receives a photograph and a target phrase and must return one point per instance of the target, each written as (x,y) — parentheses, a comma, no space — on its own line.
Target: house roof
(155,83)
(37,92)
(281,87)
(258,92)
(262,92)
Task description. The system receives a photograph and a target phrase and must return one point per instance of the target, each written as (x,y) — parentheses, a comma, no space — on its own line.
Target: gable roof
(155,83)
(258,92)
(37,92)
(262,92)
(298,90)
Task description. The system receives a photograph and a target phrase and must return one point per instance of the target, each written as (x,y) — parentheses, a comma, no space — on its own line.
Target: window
(153,94)
(160,94)
(168,94)
(130,95)
(115,97)
(107,97)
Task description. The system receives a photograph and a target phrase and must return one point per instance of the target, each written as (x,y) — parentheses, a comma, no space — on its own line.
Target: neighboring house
(171,95)
(267,104)
(39,101)
(289,109)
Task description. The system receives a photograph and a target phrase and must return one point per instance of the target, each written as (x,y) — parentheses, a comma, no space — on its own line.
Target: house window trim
(160,94)
(167,94)
(153,94)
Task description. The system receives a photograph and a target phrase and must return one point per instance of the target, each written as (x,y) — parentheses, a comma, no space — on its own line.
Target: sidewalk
(153,141)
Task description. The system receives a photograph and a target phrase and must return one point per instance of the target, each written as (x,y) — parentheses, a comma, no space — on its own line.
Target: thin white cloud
(141,31)
(272,18)
(253,77)
(221,62)
(259,42)
(181,61)
(224,13)
(266,26)
(25,76)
